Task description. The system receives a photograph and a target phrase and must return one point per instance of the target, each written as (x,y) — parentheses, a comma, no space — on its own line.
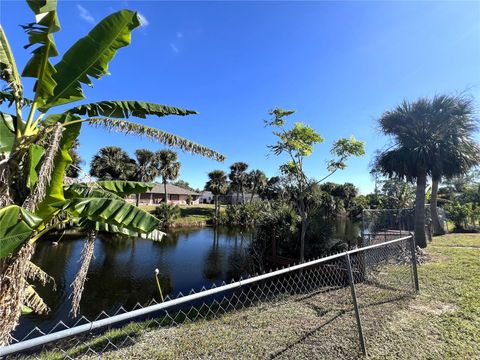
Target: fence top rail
(76,330)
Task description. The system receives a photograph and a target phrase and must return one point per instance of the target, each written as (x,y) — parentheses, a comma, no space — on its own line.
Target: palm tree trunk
(216,209)
(137,199)
(253,193)
(419,227)
(437,226)
(165,191)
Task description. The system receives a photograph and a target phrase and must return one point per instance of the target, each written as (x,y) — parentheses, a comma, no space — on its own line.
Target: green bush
(248,214)
(167,214)
(459,214)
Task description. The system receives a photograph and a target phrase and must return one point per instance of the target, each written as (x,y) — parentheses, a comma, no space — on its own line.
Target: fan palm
(458,150)
(112,163)
(218,184)
(238,178)
(168,168)
(427,141)
(34,147)
(258,180)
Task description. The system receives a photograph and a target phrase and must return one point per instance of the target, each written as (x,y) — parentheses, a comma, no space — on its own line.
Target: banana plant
(35,140)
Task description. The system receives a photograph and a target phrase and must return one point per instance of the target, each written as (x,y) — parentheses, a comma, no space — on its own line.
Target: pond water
(122,271)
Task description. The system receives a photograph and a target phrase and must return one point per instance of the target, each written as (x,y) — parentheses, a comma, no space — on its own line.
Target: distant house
(176,195)
(206,197)
(233,198)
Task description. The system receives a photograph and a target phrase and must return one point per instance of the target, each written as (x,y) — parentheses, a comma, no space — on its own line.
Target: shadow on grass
(196,211)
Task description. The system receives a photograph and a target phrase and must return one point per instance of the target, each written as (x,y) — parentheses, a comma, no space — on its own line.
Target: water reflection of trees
(58,261)
(114,282)
(212,268)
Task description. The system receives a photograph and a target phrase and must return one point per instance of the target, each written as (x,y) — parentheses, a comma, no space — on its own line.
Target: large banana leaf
(41,33)
(89,57)
(163,137)
(155,235)
(110,189)
(92,190)
(111,211)
(54,191)
(7,62)
(35,153)
(7,132)
(125,188)
(16,226)
(127,108)
(59,118)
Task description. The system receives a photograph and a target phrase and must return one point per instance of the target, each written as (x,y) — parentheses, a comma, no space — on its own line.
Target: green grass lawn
(442,322)
(190,215)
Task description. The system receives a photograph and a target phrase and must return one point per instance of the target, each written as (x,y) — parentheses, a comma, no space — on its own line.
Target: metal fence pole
(414,262)
(355,304)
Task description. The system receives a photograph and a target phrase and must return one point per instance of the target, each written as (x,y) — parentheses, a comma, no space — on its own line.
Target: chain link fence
(379,225)
(345,291)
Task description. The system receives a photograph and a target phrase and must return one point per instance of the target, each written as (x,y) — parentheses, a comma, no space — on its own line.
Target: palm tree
(258,180)
(146,167)
(238,178)
(73,170)
(169,168)
(112,163)
(217,183)
(425,143)
(458,150)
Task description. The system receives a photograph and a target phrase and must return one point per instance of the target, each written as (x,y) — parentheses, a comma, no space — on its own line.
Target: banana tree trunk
(437,225)
(13,270)
(137,199)
(419,227)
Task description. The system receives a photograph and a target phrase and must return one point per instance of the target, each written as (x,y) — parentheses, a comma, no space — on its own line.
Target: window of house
(174,197)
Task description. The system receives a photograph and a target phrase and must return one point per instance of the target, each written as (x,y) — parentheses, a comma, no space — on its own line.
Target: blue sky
(339,64)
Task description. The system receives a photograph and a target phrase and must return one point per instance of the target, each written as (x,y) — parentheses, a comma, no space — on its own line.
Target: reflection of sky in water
(122,271)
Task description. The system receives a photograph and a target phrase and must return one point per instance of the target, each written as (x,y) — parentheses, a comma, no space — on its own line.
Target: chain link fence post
(414,262)
(355,304)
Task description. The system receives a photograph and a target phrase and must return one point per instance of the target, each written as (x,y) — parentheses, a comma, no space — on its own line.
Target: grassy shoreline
(197,215)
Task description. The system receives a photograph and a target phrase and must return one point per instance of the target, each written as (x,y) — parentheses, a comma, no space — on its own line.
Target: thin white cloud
(85,14)
(179,35)
(174,48)
(143,20)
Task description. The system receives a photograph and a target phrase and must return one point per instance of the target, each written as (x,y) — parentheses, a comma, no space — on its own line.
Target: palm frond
(163,137)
